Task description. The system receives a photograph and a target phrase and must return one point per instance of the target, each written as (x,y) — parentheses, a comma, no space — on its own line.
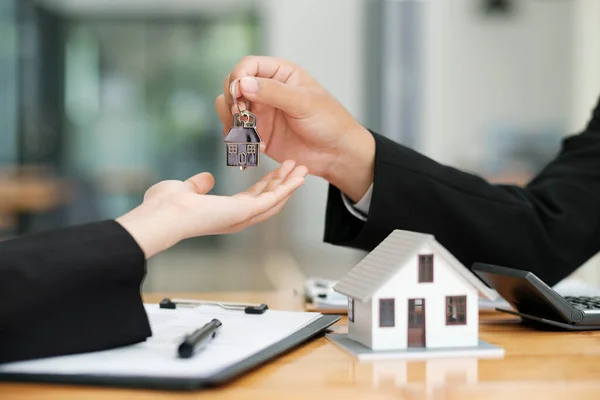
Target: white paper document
(241,336)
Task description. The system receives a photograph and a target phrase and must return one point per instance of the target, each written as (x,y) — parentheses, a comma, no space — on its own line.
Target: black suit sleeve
(71,290)
(549,227)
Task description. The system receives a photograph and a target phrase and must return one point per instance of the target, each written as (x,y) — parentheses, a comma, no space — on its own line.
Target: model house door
(416,322)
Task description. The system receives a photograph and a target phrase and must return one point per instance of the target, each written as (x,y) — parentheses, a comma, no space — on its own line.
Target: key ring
(235,103)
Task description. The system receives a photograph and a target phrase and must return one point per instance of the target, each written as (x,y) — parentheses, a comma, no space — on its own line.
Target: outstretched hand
(176,210)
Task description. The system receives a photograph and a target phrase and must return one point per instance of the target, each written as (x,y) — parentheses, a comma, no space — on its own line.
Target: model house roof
(242,135)
(381,264)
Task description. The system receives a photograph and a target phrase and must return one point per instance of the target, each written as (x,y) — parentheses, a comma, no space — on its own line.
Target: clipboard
(227,375)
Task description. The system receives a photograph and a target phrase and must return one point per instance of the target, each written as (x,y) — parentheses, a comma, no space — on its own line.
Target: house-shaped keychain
(411,298)
(242,143)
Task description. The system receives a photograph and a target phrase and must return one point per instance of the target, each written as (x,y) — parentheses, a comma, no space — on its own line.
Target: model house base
(362,352)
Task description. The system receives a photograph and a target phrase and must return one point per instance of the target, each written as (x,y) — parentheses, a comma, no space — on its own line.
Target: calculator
(536,302)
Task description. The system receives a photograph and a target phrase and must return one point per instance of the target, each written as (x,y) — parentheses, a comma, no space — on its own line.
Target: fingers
(291,99)
(259,186)
(263,67)
(202,183)
(266,69)
(298,172)
(274,178)
(227,95)
(257,219)
(269,213)
(280,188)
(231,89)
(267,200)
(279,176)
(268,203)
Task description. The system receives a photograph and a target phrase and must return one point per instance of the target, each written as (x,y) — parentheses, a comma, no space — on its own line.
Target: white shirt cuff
(361,209)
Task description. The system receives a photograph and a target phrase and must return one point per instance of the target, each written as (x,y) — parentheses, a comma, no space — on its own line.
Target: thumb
(202,183)
(292,100)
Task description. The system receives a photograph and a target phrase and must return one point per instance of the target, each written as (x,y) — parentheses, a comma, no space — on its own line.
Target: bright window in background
(139,100)
(8,83)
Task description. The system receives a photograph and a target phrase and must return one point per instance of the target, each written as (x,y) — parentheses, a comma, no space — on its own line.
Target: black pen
(199,339)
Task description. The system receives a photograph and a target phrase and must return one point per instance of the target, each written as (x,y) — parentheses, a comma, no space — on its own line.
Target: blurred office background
(99,99)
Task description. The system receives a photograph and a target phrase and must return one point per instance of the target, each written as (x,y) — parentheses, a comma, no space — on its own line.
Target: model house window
(350,309)
(386,312)
(426,268)
(232,148)
(251,149)
(415,313)
(456,310)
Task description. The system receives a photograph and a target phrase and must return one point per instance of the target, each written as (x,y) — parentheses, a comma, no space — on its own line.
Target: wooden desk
(537,365)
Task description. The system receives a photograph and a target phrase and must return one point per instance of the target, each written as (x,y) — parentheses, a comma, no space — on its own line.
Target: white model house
(412,292)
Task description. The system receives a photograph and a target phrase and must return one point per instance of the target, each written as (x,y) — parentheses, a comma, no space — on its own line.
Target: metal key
(242,143)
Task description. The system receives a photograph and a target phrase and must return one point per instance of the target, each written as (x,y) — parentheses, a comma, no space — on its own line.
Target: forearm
(549,227)
(153,228)
(353,169)
(71,290)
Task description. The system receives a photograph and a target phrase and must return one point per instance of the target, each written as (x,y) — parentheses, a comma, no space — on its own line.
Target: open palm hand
(176,210)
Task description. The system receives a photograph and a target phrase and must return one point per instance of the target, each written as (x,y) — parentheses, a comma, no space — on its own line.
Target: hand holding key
(298,119)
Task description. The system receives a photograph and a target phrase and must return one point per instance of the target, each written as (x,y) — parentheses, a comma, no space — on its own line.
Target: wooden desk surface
(537,365)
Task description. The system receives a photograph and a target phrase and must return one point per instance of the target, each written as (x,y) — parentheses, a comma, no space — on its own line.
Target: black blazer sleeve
(549,227)
(71,290)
